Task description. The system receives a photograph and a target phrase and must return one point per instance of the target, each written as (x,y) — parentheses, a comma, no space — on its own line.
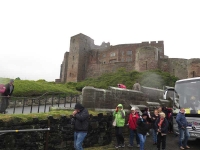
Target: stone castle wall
(85,59)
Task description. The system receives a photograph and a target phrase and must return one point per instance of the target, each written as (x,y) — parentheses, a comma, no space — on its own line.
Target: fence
(38,104)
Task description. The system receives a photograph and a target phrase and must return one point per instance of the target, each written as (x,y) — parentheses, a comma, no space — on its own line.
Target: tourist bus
(186,94)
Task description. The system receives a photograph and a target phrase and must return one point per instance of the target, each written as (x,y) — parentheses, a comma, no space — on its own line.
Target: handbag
(114,123)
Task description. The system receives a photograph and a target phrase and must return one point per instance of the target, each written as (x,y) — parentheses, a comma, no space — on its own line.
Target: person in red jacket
(132,123)
(121,86)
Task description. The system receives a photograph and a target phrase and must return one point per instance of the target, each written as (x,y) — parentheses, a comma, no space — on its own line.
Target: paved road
(172,144)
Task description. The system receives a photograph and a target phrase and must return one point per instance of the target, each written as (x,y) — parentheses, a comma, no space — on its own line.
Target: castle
(85,59)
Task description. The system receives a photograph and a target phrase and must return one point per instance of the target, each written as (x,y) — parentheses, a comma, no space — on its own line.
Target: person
(119,116)
(6,95)
(137,86)
(154,131)
(160,109)
(183,131)
(191,103)
(170,120)
(121,86)
(132,123)
(162,129)
(146,110)
(81,123)
(142,129)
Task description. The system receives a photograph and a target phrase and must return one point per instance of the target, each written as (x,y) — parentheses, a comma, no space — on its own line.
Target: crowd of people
(160,123)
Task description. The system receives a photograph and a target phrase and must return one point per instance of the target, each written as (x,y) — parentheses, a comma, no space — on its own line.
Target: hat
(78,106)
(133,108)
(120,105)
(144,114)
(11,80)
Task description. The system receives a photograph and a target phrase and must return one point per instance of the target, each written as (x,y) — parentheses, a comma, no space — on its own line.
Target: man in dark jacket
(142,129)
(81,123)
(183,131)
(6,95)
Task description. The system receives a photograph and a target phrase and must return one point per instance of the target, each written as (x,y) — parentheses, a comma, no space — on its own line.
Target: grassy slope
(156,79)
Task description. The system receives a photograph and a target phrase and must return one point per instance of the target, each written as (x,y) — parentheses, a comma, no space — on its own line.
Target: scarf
(160,123)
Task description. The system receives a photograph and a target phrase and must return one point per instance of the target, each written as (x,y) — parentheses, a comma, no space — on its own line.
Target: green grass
(154,78)
(28,88)
(41,116)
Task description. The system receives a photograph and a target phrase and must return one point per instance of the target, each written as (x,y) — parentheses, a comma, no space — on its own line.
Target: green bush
(154,78)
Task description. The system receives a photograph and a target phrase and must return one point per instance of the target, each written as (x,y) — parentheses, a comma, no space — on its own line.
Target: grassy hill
(155,78)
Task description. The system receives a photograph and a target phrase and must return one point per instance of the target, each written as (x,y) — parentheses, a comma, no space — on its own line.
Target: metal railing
(38,103)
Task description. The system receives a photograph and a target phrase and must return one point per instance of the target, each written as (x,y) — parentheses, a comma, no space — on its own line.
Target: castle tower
(77,60)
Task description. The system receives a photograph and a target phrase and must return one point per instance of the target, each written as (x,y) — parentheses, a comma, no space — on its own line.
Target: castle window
(129,52)
(112,60)
(193,73)
(128,59)
(112,54)
(146,65)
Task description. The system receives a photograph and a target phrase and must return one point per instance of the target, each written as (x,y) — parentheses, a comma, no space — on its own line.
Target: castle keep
(85,59)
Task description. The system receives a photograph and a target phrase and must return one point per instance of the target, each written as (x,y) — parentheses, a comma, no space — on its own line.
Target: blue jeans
(78,140)
(154,134)
(132,132)
(142,140)
(183,136)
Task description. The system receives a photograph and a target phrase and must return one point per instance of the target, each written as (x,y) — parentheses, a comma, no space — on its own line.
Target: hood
(120,105)
(78,106)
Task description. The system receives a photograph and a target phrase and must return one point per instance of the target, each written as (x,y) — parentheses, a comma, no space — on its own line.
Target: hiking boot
(123,145)
(187,147)
(129,145)
(117,146)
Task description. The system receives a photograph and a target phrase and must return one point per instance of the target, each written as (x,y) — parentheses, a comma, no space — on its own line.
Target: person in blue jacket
(183,131)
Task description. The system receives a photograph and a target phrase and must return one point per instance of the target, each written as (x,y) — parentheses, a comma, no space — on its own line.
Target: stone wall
(146,58)
(111,97)
(178,67)
(193,67)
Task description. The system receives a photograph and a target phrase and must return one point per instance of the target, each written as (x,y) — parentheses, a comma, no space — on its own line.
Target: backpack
(2,88)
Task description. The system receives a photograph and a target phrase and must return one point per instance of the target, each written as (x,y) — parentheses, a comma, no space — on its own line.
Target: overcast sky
(35,34)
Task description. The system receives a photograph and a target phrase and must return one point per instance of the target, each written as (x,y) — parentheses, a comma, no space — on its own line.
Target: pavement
(172,144)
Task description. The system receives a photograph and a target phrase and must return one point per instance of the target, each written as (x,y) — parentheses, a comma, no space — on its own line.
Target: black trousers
(160,139)
(170,128)
(4,104)
(119,136)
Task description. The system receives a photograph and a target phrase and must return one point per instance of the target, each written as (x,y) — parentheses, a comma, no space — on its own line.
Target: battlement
(153,43)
